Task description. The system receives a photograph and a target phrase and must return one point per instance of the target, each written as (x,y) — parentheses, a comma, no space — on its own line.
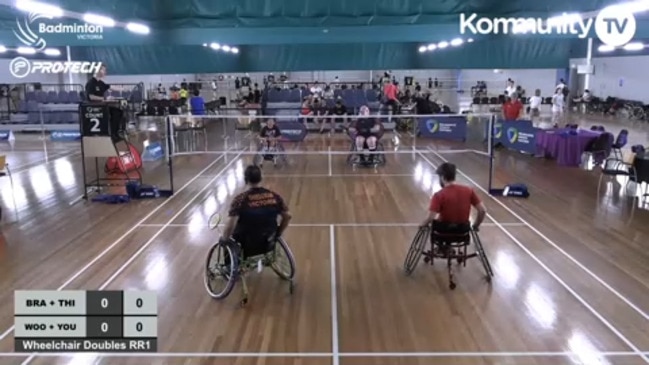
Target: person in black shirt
(340,111)
(252,217)
(95,87)
(366,130)
(270,133)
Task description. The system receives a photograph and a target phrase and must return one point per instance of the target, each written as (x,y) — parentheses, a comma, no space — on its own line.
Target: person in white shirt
(316,90)
(535,104)
(511,88)
(557,106)
(561,85)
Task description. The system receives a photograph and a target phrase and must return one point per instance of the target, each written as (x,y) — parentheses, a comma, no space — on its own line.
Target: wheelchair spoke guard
(221,270)
(416,248)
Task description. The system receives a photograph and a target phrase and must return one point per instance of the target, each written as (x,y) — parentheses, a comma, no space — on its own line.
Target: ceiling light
(226,48)
(204,44)
(26,50)
(47,10)
(431,47)
(52,52)
(442,45)
(138,28)
(605,48)
(635,46)
(457,42)
(422,49)
(3,49)
(215,46)
(470,40)
(99,20)
(234,50)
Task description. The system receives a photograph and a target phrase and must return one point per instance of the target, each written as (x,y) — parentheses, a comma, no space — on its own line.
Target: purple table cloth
(564,147)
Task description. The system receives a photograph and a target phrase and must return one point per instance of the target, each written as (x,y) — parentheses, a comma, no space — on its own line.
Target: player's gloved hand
(475,228)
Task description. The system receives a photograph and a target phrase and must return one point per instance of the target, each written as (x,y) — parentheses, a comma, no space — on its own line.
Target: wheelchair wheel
(221,270)
(483,256)
(416,248)
(283,261)
(380,157)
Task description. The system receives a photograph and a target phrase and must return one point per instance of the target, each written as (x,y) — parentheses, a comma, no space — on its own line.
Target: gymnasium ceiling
(246,22)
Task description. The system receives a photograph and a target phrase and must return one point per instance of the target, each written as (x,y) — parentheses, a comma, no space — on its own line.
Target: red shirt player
(451,206)
(512,108)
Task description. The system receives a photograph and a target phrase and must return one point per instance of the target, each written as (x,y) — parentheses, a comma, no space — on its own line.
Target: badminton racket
(215,222)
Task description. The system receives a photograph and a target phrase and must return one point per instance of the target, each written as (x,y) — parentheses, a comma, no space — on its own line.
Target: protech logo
(30,30)
(615,26)
(20,67)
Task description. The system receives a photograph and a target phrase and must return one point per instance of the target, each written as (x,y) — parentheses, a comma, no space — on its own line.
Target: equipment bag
(126,163)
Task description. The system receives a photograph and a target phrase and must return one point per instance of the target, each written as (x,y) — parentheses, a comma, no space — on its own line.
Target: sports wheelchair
(450,245)
(266,152)
(229,261)
(355,158)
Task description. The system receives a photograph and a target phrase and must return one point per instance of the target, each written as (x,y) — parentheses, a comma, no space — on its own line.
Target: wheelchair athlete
(252,218)
(365,132)
(450,208)
(269,137)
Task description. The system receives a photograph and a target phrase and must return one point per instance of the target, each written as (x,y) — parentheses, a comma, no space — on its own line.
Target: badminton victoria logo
(498,130)
(32,29)
(512,135)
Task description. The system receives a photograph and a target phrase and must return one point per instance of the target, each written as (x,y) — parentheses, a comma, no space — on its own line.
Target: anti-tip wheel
(451,286)
(488,278)
(291,287)
(243,302)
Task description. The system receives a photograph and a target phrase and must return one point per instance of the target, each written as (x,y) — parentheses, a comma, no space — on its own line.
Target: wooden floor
(571,283)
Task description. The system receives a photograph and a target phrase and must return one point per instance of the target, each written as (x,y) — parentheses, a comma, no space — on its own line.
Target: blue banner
(153,152)
(292,131)
(65,136)
(448,127)
(518,135)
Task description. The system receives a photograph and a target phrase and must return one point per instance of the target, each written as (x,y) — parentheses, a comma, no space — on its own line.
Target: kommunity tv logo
(614,25)
(30,31)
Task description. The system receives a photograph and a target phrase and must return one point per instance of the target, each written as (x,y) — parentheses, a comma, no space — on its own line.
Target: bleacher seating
(57,107)
(288,102)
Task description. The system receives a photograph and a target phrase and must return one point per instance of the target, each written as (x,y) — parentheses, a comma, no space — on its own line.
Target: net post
(490,132)
(169,142)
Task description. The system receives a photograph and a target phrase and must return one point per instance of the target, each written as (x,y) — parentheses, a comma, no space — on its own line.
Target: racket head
(215,221)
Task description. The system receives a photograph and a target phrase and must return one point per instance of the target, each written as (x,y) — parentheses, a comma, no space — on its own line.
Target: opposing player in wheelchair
(251,240)
(270,145)
(366,147)
(448,229)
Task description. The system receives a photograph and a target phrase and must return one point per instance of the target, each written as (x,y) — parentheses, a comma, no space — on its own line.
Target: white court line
(330,164)
(328,175)
(562,251)
(334,296)
(341,225)
(579,298)
(152,239)
(328,354)
(121,238)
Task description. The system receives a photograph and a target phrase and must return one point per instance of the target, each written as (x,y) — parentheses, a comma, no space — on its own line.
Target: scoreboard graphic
(85,321)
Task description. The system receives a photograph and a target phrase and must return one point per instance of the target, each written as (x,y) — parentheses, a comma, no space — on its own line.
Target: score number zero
(104,304)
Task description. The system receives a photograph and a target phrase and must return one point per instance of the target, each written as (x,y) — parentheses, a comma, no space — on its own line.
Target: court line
(326,354)
(329,159)
(334,296)
(152,238)
(487,224)
(576,295)
(557,247)
(122,237)
(329,175)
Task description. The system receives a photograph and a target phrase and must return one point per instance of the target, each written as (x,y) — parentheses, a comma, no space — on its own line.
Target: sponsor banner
(65,136)
(447,127)
(292,131)
(518,135)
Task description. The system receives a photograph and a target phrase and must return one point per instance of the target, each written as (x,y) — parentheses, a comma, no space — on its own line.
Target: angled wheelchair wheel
(416,249)
(482,255)
(381,155)
(283,262)
(221,270)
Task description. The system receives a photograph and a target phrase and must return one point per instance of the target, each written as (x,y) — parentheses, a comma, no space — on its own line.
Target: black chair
(621,141)
(641,172)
